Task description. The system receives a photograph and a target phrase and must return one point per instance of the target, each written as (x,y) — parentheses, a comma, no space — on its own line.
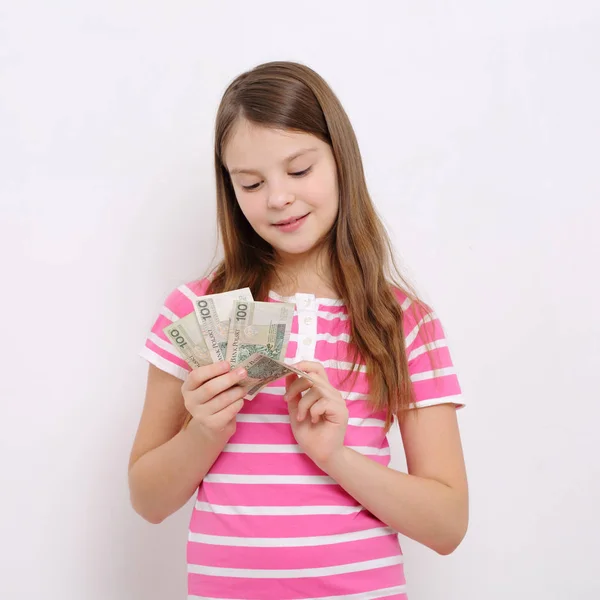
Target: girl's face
(280,177)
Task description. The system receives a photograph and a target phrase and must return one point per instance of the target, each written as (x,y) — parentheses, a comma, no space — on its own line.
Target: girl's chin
(294,249)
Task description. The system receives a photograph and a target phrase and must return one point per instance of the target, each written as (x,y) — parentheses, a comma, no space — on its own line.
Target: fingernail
(241,372)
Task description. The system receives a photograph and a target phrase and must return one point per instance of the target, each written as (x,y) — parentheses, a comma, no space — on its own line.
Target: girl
(295,498)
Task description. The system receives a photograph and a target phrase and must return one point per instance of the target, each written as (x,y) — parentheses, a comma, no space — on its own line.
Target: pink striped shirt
(267,522)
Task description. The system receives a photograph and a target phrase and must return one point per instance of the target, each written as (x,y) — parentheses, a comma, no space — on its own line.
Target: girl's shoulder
(413,309)
(181,300)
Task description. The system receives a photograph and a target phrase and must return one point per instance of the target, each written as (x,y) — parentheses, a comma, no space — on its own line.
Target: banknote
(187,338)
(213,313)
(263,370)
(262,327)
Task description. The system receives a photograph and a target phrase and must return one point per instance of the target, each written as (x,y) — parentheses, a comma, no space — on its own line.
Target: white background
(479,127)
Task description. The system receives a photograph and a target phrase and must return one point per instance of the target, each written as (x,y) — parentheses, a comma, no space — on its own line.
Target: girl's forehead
(251,145)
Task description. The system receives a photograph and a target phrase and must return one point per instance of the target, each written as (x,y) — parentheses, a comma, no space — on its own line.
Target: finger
(225,399)
(201,375)
(219,384)
(311,367)
(306,402)
(289,380)
(225,416)
(297,387)
(318,409)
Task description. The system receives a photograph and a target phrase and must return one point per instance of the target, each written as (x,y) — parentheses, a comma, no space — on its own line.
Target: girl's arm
(430,503)
(167,464)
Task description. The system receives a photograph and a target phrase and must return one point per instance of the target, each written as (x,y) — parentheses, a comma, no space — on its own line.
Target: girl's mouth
(292,225)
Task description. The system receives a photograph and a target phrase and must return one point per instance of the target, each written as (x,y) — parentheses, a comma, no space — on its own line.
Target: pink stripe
(264,464)
(169,357)
(282,494)
(281,433)
(344,380)
(423,362)
(246,463)
(273,404)
(179,303)
(360,409)
(291,349)
(267,404)
(261,433)
(280,525)
(428,331)
(159,325)
(200,286)
(288,589)
(438,387)
(280,557)
(338,350)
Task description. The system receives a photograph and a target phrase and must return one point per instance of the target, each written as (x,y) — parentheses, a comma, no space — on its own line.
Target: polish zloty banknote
(214,314)
(262,327)
(186,336)
(263,370)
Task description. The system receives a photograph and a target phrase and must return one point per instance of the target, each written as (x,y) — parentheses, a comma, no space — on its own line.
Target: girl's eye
(251,188)
(301,173)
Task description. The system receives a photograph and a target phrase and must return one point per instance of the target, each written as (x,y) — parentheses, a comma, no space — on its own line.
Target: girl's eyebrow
(285,160)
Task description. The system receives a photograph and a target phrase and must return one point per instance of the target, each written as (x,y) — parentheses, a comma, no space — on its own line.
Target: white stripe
(290,542)
(433,374)
(323,301)
(163,364)
(456,399)
(272,511)
(430,346)
(272,479)
(341,365)
(329,316)
(295,449)
(366,565)
(406,304)
(169,314)
(163,345)
(360,422)
(410,338)
(274,390)
(351,396)
(330,301)
(324,337)
(185,290)
(262,418)
(280,391)
(256,418)
(374,595)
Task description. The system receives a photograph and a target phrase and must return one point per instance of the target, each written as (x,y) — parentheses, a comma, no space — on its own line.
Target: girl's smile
(291,224)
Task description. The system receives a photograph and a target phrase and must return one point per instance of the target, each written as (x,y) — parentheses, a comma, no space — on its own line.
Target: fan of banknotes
(231,326)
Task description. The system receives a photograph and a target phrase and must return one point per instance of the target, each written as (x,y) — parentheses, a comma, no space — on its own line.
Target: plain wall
(479,128)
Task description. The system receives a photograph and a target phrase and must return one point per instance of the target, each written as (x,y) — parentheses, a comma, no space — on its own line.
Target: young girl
(295,498)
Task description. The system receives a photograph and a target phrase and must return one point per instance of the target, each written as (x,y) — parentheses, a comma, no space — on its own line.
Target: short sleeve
(432,373)
(158,350)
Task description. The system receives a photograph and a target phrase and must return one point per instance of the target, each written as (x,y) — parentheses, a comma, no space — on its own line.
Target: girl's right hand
(213,398)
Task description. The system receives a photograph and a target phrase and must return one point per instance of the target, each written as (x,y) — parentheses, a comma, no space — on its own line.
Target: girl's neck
(315,279)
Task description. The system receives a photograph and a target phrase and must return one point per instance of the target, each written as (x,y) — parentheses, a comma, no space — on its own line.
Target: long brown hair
(291,96)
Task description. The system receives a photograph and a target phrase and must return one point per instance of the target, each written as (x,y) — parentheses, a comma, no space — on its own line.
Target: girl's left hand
(320,418)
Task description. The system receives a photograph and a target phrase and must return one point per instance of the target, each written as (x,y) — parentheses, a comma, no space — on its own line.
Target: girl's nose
(279,199)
